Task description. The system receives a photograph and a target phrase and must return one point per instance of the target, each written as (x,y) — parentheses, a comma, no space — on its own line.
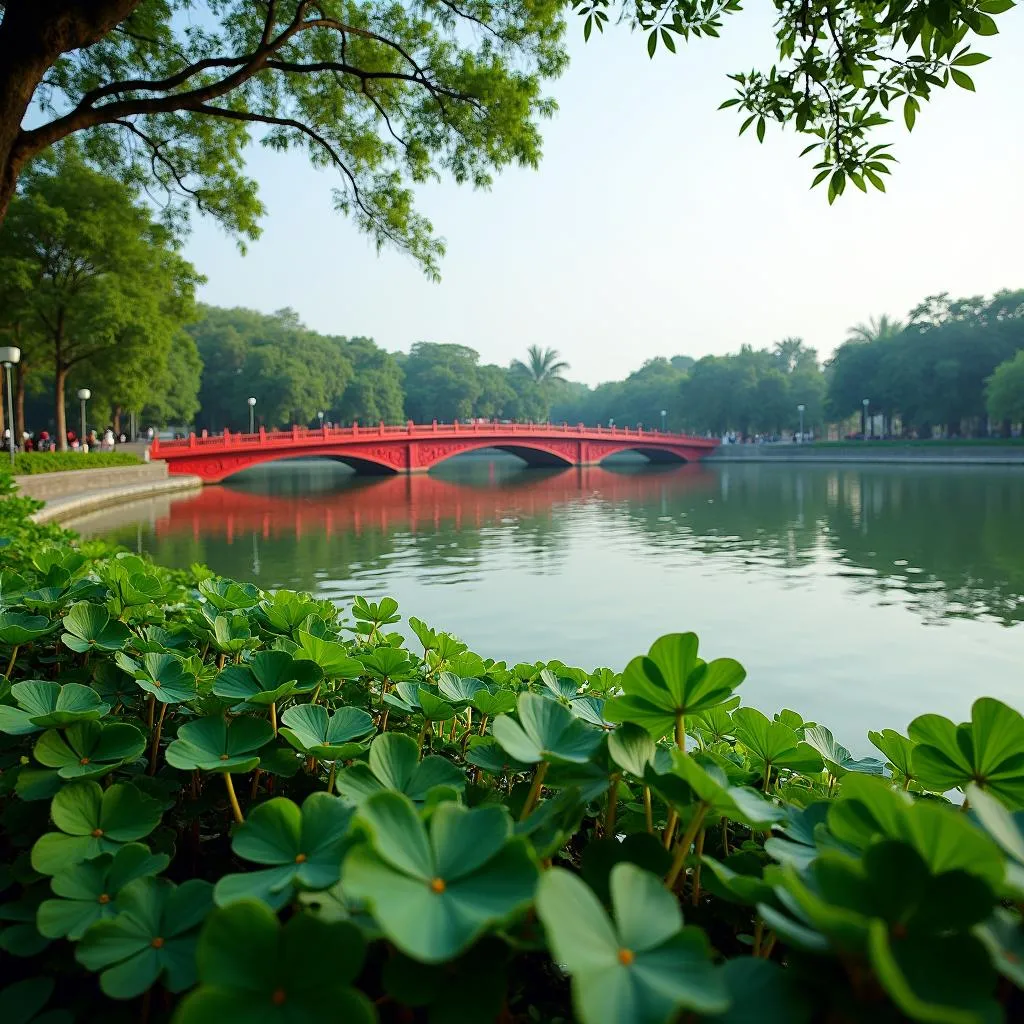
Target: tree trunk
(33,36)
(117,421)
(19,400)
(59,381)
(60,376)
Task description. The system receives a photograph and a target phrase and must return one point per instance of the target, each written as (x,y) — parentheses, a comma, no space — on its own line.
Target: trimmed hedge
(33,463)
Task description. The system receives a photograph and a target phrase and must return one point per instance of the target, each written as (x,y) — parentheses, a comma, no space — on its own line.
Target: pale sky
(651,229)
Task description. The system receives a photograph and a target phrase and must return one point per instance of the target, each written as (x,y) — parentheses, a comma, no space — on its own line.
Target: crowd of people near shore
(43,441)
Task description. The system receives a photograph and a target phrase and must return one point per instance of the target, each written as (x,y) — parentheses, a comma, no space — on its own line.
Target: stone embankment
(79,491)
(881,453)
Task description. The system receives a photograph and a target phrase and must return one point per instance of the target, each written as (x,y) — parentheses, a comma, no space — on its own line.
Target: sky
(650,228)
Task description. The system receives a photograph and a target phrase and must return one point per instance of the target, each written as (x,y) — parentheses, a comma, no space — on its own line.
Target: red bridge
(415,448)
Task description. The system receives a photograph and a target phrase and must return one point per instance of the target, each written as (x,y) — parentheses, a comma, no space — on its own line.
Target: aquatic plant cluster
(220,804)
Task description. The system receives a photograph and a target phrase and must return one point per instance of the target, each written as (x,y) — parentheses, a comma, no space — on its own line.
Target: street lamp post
(84,394)
(866,402)
(320,417)
(10,356)
(252,415)
(663,415)
(800,409)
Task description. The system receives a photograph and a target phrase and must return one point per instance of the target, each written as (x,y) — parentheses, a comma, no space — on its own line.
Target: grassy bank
(34,463)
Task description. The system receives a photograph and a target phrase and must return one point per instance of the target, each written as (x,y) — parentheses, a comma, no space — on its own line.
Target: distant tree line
(934,372)
(955,367)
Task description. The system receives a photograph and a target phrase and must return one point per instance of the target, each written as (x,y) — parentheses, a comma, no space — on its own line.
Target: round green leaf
(214,745)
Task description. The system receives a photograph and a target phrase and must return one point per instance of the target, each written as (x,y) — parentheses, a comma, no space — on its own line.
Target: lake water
(860,596)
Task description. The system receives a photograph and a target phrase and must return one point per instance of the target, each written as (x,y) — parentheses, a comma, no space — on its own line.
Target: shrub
(32,463)
(265,810)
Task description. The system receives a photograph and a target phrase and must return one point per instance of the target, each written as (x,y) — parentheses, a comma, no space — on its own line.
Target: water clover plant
(88,891)
(88,627)
(644,966)
(310,729)
(93,821)
(670,682)
(254,969)
(435,888)
(44,705)
(152,937)
(269,677)
(87,749)
(434,835)
(394,763)
(162,676)
(304,848)
(988,751)
(214,744)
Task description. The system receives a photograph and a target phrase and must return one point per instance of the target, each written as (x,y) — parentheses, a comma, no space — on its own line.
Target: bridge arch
(532,453)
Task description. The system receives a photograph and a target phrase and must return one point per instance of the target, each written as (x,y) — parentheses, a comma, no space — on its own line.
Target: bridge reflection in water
(411,503)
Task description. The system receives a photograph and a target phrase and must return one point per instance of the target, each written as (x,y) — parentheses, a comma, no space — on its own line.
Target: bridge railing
(284,438)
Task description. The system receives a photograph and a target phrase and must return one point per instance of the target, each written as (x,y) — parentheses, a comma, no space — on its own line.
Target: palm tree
(875,329)
(542,366)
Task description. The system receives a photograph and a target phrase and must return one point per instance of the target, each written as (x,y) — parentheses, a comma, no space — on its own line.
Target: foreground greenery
(223,804)
(33,463)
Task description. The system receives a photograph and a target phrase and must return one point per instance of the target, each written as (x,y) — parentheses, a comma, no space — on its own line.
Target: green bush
(267,810)
(31,463)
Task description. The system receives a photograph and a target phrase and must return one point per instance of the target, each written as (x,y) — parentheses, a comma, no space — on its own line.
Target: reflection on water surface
(861,595)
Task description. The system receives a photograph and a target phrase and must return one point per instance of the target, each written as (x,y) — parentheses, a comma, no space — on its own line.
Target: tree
(291,371)
(876,329)
(933,371)
(106,290)
(385,95)
(1004,391)
(842,66)
(542,366)
(374,394)
(441,382)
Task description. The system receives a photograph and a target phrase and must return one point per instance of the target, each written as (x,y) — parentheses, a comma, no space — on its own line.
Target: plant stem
(684,845)
(422,736)
(230,786)
(769,945)
(613,802)
(273,716)
(10,664)
(531,798)
(330,778)
(150,711)
(383,724)
(758,935)
(767,776)
(316,693)
(680,731)
(254,787)
(670,829)
(648,812)
(154,750)
(695,894)
(483,725)
(725,837)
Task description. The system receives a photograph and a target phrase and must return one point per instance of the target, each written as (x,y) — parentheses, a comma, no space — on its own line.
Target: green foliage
(933,371)
(843,68)
(384,97)
(1004,391)
(33,463)
(100,285)
(442,837)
